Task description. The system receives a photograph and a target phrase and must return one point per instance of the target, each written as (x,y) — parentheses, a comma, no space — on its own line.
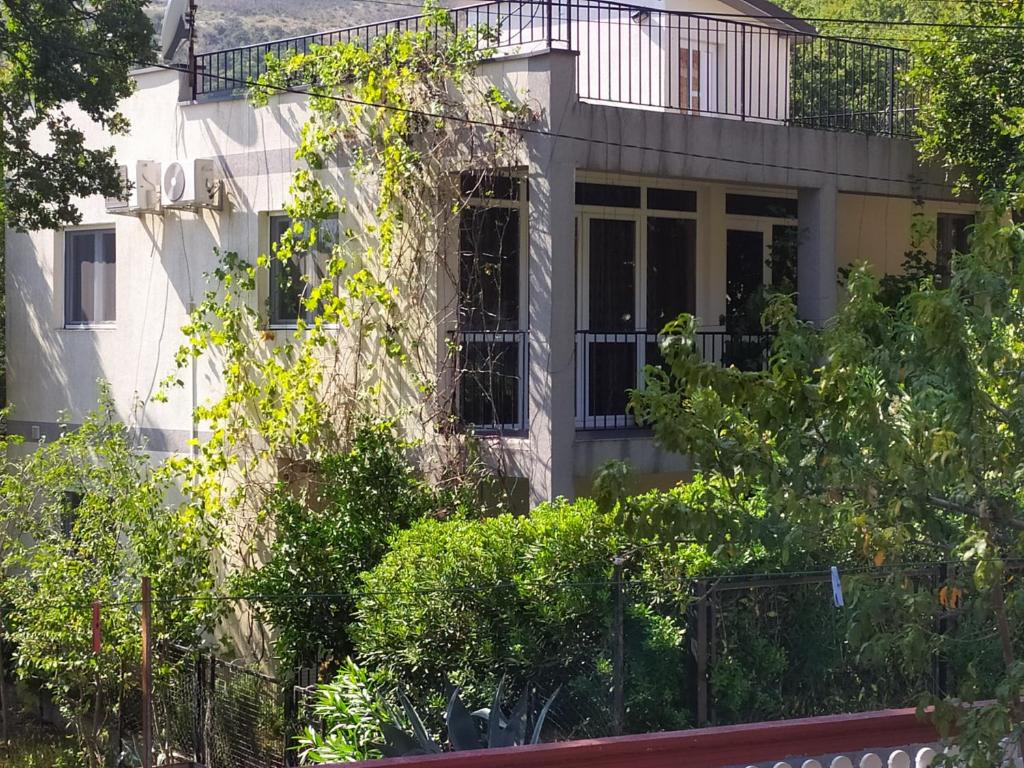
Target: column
(816,254)
(552,286)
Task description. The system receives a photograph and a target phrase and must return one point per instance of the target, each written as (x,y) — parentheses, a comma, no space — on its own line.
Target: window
(90,277)
(952,236)
(292,280)
(636,272)
(698,77)
(490,365)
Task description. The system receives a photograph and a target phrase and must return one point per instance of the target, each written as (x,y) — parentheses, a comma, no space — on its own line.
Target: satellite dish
(174,182)
(175,29)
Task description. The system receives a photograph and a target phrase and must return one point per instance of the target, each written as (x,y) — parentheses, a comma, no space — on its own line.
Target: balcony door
(759,253)
(490,343)
(637,273)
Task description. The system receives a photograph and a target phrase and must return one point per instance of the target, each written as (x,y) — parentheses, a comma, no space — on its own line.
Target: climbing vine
(394,130)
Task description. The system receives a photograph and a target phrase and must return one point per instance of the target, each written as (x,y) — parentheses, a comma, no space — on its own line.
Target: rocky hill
(227,23)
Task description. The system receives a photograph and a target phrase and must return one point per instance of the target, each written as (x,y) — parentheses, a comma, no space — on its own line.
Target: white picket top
(897,758)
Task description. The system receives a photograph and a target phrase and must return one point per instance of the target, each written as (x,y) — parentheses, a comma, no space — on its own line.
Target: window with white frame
(90,277)
(291,280)
(637,266)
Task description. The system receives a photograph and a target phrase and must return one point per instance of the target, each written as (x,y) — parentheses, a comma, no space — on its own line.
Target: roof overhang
(781,18)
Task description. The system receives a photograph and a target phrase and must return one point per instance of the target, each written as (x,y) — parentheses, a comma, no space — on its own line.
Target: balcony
(608,365)
(777,72)
(489,378)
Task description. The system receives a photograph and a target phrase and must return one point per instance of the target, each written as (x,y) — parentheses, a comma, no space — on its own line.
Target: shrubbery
(89,518)
(466,602)
(327,533)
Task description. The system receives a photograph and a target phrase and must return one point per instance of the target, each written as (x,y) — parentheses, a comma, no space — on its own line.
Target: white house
(683,146)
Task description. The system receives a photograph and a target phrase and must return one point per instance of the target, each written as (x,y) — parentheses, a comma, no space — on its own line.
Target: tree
(395,116)
(895,432)
(84,518)
(54,54)
(326,535)
(971,109)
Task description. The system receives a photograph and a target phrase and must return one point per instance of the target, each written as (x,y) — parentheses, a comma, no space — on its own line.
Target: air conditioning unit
(141,192)
(192,185)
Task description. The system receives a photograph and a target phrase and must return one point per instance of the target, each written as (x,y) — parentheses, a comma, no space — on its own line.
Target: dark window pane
(611,372)
(489,381)
(671,270)
(612,275)
(497,185)
(90,277)
(672,199)
(611,195)
(286,284)
(952,236)
(744,279)
(759,205)
(782,258)
(489,269)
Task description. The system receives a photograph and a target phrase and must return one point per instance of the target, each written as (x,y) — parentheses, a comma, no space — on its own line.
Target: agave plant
(485,728)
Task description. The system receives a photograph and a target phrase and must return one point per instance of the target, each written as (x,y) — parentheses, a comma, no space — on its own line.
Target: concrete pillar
(552,285)
(816,254)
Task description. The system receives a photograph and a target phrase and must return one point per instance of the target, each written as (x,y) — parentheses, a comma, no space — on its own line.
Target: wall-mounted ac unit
(192,185)
(141,191)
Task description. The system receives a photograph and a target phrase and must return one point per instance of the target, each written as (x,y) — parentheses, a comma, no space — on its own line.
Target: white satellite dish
(175,28)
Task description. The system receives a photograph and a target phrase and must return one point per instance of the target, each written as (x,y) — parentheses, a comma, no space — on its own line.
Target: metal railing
(654,59)
(610,364)
(517,24)
(489,382)
(708,65)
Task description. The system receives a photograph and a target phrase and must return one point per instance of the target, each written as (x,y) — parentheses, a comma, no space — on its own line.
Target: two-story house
(689,153)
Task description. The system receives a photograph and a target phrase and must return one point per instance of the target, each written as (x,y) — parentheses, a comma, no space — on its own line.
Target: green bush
(466,602)
(327,534)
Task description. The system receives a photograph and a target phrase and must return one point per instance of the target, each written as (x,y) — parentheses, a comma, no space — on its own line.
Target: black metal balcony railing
(608,365)
(490,373)
(669,60)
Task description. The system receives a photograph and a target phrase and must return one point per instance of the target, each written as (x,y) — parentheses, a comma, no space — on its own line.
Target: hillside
(227,23)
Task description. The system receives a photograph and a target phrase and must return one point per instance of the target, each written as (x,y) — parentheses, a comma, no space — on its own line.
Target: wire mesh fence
(219,713)
(666,656)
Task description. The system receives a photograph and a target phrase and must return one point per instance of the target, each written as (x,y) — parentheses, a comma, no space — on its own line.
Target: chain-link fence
(658,656)
(221,714)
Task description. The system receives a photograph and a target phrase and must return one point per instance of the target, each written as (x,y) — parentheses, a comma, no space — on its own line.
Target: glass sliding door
(609,349)
(636,273)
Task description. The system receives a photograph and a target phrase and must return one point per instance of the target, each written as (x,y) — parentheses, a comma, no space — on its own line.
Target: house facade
(688,154)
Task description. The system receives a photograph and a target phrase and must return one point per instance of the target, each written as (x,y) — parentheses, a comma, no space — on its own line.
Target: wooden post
(619,650)
(147,674)
(701,595)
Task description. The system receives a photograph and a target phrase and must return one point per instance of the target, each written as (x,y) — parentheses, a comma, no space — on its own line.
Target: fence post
(701,654)
(550,12)
(568,22)
(743,73)
(147,674)
(892,91)
(941,662)
(209,742)
(200,714)
(619,650)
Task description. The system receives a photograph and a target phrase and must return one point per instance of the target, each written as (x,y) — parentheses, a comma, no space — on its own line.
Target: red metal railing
(701,748)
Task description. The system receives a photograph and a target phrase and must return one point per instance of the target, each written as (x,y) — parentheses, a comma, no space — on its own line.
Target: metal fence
(609,364)
(676,654)
(771,71)
(221,714)
(490,374)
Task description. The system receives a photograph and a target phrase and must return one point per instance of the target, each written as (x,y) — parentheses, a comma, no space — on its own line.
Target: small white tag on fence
(837,588)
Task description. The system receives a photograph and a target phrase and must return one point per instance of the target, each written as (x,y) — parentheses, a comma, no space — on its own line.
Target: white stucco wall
(161,259)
